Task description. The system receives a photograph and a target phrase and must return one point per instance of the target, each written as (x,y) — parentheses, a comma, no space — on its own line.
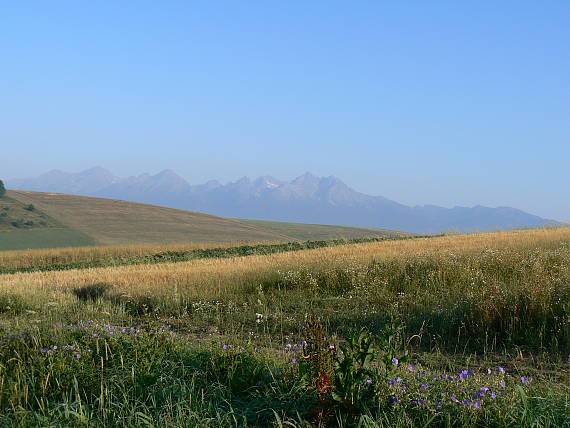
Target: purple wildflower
(422,402)
(294,360)
(78,356)
(524,379)
(477,404)
(395,361)
(502,384)
(369,381)
(394,399)
(423,386)
(411,368)
(493,395)
(438,405)
(465,402)
(500,369)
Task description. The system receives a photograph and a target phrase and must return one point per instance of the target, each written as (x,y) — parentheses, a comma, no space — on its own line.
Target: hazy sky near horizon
(440,102)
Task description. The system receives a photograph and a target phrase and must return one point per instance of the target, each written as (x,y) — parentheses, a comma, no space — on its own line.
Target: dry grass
(115,222)
(51,256)
(211,277)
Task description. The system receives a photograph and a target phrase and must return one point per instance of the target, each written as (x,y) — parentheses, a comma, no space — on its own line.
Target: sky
(440,102)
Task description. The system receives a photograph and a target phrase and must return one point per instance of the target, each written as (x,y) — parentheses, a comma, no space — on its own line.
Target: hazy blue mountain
(56,181)
(306,199)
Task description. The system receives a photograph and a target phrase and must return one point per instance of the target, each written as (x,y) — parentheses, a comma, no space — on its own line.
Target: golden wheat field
(210,277)
(47,257)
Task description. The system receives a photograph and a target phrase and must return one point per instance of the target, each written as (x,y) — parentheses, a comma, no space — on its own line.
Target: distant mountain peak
(96,170)
(167,173)
(267,182)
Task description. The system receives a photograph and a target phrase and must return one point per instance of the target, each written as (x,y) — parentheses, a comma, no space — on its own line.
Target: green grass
(52,237)
(321,232)
(170,360)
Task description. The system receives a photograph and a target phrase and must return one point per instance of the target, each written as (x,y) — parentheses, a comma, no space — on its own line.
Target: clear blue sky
(442,102)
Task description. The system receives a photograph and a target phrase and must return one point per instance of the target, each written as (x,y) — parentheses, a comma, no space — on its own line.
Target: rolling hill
(45,220)
(303,231)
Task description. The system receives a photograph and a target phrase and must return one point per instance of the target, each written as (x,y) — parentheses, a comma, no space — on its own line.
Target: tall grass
(216,342)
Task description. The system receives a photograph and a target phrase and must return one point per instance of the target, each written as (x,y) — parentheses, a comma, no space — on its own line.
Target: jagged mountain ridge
(306,199)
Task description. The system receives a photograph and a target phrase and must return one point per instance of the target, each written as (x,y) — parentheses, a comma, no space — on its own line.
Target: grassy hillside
(319,231)
(14,215)
(24,226)
(49,220)
(119,222)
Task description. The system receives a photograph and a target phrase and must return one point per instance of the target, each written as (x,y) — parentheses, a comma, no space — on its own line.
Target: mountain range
(306,199)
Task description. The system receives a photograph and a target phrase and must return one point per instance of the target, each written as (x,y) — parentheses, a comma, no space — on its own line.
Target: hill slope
(25,226)
(303,231)
(119,222)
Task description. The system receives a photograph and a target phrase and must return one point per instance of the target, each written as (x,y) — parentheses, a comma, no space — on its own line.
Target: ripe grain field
(465,330)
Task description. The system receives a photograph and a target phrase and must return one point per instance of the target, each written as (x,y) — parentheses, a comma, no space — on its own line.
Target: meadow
(464,330)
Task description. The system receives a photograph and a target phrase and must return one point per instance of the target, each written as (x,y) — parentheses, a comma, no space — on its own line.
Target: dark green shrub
(91,292)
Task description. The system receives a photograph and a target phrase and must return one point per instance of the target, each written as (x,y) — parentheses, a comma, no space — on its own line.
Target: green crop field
(464,330)
(52,237)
